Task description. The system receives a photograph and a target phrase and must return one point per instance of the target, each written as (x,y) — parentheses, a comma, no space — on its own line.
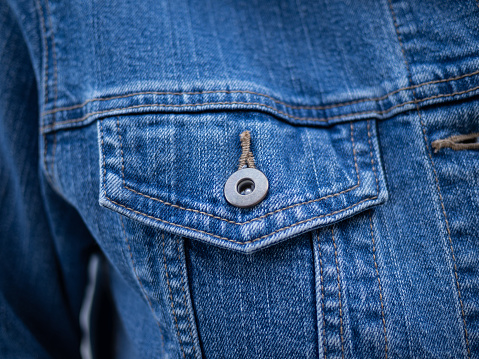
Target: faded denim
(120,124)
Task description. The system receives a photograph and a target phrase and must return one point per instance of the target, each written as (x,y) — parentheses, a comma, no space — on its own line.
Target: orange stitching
(339,295)
(54,55)
(232,240)
(374,248)
(121,151)
(55,80)
(192,105)
(326,119)
(171,297)
(45,152)
(139,280)
(354,151)
(322,294)
(184,295)
(450,239)
(437,182)
(372,157)
(380,287)
(163,240)
(54,147)
(43,32)
(214,235)
(103,155)
(45,44)
(251,220)
(159,93)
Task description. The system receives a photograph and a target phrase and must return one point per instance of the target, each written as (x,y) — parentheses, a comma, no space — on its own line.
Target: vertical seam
(55,81)
(121,151)
(171,297)
(184,296)
(322,294)
(450,241)
(374,246)
(139,280)
(466,336)
(380,287)
(102,142)
(339,295)
(372,157)
(43,32)
(436,179)
(354,150)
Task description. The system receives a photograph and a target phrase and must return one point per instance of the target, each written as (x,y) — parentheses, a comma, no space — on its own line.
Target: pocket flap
(169,171)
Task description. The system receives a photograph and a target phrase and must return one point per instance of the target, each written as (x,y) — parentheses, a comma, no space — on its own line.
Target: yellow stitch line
(339,295)
(48,127)
(171,297)
(264,215)
(322,294)
(139,280)
(380,288)
(306,107)
(184,294)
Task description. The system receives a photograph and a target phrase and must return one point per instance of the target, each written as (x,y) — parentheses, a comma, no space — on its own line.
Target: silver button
(246,188)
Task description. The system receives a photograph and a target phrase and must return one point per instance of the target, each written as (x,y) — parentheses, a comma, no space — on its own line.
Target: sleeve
(43,272)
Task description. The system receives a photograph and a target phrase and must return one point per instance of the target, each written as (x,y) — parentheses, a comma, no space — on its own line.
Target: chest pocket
(169,171)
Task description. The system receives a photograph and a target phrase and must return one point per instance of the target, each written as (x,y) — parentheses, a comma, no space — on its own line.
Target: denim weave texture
(120,124)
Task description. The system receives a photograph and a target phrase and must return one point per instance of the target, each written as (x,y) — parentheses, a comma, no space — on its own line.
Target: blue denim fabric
(120,124)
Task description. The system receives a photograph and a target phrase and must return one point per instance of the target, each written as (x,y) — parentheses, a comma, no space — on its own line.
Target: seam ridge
(298,107)
(171,298)
(140,282)
(273,110)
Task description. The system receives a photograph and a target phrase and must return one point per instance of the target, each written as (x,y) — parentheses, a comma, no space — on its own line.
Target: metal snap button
(246,188)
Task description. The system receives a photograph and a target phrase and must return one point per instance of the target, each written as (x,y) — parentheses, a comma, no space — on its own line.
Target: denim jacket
(126,125)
